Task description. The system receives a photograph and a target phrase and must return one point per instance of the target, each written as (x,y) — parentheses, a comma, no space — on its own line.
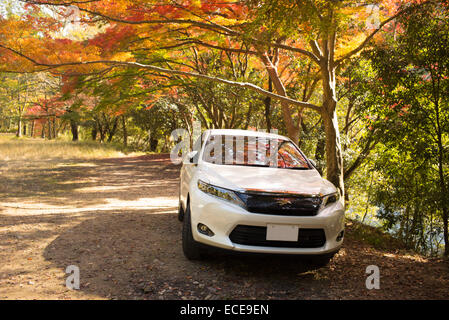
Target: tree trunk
(49,129)
(32,129)
(334,158)
(445,231)
(102,132)
(19,127)
(153,144)
(407,226)
(444,204)
(248,117)
(113,130)
(443,190)
(74,129)
(292,129)
(94,131)
(320,150)
(125,132)
(267,102)
(55,131)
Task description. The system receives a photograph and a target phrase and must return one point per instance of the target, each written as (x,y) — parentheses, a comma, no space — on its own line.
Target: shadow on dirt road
(138,254)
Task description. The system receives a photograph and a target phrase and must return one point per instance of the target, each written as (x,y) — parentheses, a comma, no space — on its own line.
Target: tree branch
(245,85)
(205,25)
(371,36)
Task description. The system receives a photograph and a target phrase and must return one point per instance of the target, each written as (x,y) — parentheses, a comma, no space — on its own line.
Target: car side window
(290,157)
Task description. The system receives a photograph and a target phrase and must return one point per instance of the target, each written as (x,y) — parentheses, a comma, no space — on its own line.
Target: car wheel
(180,212)
(190,247)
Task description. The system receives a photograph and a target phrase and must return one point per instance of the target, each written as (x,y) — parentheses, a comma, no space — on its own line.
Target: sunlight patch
(408,257)
(81,164)
(102,188)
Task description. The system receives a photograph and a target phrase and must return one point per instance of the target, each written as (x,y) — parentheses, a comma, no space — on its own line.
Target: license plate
(282,232)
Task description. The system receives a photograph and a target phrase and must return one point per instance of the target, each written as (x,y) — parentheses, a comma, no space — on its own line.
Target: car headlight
(221,193)
(330,198)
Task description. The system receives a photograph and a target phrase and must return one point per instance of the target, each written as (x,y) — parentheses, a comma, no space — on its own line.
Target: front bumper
(223,217)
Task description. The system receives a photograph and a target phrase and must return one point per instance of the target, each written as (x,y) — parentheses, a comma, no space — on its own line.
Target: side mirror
(191,157)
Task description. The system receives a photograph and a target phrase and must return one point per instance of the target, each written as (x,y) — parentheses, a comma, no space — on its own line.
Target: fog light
(203,229)
(340,236)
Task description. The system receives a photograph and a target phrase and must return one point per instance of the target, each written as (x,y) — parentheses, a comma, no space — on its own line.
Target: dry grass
(12,148)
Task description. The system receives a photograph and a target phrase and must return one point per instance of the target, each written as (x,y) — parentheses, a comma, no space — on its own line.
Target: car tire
(190,247)
(180,212)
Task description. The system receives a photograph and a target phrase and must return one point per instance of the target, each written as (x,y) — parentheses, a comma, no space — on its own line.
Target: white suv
(257,192)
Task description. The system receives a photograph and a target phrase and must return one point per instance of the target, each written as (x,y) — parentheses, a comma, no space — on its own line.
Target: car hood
(265,179)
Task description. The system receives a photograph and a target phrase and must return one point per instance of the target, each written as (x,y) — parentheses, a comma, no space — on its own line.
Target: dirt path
(116,220)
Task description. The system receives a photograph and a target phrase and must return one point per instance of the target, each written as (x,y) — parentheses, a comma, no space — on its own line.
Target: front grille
(281,204)
(256,236)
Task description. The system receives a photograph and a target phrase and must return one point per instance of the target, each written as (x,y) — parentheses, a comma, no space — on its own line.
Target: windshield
(253,151)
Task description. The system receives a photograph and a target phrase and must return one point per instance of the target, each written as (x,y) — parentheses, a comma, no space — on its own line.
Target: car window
(253,151)
(290,157)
